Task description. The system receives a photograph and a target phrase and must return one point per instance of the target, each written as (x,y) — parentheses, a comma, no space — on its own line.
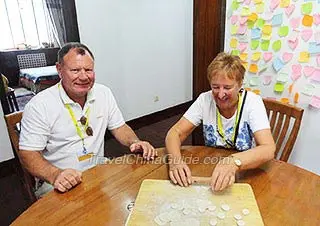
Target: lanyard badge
(235,126)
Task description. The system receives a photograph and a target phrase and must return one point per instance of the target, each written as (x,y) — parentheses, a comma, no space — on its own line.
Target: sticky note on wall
(279,87)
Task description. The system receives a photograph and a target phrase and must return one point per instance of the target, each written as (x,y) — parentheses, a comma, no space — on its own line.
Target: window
(25,24)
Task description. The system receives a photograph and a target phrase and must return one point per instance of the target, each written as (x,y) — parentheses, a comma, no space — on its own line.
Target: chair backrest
(13,124)
(285,120)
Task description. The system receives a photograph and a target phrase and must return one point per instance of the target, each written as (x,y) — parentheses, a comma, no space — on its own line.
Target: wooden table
(286,194)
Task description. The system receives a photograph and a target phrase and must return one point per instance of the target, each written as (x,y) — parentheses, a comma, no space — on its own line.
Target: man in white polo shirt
(63,127)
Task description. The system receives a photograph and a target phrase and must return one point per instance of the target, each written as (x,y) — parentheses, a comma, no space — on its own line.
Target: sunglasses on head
(83,121)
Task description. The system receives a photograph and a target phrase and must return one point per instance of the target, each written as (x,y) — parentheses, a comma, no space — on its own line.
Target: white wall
(6,152)
(306,150)
(143,50)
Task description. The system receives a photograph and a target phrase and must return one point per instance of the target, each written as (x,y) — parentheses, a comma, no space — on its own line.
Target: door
(208,41)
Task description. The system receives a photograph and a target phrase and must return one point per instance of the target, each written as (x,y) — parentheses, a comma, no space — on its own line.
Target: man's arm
(62,180)
(126,136)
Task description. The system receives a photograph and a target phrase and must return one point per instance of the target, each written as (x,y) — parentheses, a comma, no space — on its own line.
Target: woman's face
(225,92)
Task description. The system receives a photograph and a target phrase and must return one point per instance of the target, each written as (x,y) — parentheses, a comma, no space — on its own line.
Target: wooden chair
(285,120)
(13,124)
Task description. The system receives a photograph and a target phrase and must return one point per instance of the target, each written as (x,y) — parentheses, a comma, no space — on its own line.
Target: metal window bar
(21,22)
(5,4)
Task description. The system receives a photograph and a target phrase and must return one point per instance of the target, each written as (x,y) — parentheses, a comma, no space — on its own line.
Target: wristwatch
(236,161)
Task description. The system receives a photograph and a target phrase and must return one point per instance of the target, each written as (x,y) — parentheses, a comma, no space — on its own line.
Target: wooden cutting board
(160,198)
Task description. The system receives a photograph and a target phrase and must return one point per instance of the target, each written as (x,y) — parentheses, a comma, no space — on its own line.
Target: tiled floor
(12,202)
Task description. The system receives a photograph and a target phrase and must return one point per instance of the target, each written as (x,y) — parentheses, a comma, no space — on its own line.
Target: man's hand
(148,151)
(179,172)
(67,179)
(224,174)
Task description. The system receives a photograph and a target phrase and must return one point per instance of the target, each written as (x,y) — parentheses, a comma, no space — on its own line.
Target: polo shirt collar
(67,100)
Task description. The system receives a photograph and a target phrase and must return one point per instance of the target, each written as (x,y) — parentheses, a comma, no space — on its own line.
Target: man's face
(225,92)
(77,74)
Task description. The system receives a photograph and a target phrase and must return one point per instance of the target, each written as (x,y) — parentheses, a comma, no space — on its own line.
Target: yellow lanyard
(236,122)
(75,122)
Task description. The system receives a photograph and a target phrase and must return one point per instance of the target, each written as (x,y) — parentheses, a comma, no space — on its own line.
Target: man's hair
(80,48)
(228,65)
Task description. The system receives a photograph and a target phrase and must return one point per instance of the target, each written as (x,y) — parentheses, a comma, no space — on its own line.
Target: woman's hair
(226,64)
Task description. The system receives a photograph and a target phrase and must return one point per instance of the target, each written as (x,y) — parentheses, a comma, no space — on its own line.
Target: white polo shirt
(47,126)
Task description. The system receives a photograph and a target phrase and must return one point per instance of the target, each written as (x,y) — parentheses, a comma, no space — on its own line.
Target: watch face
(237,162)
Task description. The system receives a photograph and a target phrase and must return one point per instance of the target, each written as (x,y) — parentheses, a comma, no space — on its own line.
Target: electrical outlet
(156,99)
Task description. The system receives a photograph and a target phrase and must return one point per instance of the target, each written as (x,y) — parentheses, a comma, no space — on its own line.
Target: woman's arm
(179,172)
(224,173)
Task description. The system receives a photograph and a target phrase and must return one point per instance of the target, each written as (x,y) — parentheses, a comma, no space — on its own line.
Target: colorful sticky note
(260,7)
(316,19)
(313,48)
(247,2)
(235,52)
(243,38)
(257,1)
(283,31)
(243,56)
(245,64)
(243,19)
(257,91)
(242,29)
(234,19)
(316,75)
(253,17)
(307,20)
(308,70)
(304,57)
(267,29)
(260,22)
(253,68)
(254,81)
(296,71)
(235,5)
(284,3)
(256,33)
(290,88)
(245,11)
(277,19)
(282,77)
(315,102)
(289,10)
(286,57)
(277,64)
(266,37)
(233,43)
(267,56)
(274,4)
(285,100)
(267,79)
(295,76)
(254,44)
(278,87)
(262,68)
(306,34)
(308,90)
(295,22)
(242,46)
(276,45)
(250,24)
(293,44)
(265,45)
(233,29)
(256,56)
(296,98)
(306,8)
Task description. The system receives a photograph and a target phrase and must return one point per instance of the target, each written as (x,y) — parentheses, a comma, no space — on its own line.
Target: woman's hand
(179,172)
(224,174)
